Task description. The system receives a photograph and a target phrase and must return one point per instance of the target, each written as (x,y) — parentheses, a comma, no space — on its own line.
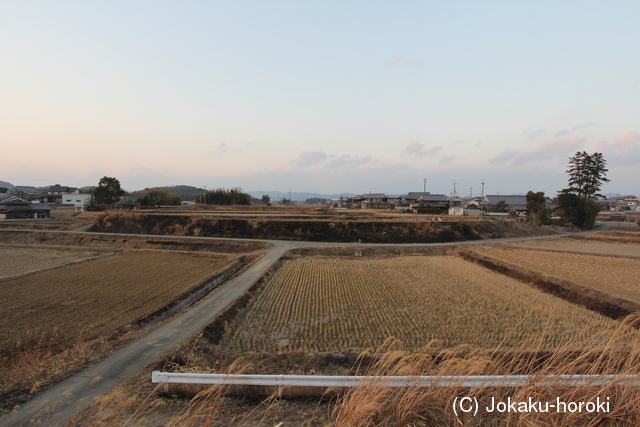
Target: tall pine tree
(586,174)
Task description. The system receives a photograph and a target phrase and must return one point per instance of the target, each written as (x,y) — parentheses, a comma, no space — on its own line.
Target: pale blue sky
(329,97)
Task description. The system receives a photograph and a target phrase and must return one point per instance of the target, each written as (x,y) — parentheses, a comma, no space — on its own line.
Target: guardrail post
(280,382)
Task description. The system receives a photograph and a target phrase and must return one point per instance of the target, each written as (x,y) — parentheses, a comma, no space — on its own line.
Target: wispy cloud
(347,159)
(310,158)
(503,157)
(417,149)
(447,159)
(530,134)
(222,148)
(565,132)
(402,61)
(584,125)
(550,149)
(623,150)
(457,142)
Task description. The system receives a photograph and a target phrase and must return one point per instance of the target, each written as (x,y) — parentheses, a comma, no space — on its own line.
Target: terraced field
(339,304)
(86,300)
(582,246)
(610,274)
(16,260)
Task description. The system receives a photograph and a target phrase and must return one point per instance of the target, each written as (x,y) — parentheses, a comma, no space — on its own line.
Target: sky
(325,96)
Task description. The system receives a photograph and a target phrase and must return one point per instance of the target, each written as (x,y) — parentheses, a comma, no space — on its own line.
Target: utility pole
(482,200)
(289,196)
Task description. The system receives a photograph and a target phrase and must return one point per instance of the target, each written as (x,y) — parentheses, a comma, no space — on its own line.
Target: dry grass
(617,352)
(83,301)
(609,274)
(17,260)
(61,219)
(324,304)
(613,350)
(567,244)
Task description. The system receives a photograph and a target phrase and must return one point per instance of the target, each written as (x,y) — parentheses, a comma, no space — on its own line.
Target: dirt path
(57,404)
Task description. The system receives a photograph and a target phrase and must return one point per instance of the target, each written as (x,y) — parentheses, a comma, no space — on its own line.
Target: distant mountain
(296,196)
(6,184)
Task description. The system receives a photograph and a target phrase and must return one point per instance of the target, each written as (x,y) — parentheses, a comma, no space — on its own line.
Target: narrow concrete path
(57,404)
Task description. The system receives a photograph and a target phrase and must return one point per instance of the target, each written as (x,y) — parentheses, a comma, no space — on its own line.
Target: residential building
(76,199)
(12,207)
(55,193)
(514,202)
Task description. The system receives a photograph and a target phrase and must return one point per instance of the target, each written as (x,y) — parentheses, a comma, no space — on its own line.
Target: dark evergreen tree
(108,192)
(586,174)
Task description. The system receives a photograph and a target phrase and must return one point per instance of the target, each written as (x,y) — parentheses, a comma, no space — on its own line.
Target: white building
(76,199)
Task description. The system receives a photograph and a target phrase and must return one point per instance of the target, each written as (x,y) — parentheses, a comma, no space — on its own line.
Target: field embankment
(597,300)
(343,230)
(128,242)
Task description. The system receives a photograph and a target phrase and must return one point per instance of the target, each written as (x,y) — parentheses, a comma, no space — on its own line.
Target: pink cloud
(625,149)
(629,138)
(417,149)
(413,147)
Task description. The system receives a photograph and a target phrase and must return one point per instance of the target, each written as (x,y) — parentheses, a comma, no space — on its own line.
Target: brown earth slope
(366,231)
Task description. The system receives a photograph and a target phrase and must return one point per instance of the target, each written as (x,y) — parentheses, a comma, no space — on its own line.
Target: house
(395,199)
(374,201)
(76,199)
(426,199)
(12,207)
(513,202)
(618,204)
(25,192)
(55,193)
(456,206)
(473,207)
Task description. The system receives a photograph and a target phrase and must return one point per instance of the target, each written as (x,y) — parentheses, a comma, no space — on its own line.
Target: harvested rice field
(89,299)
(609,274)
(16,260)
(348,305)
(582,246)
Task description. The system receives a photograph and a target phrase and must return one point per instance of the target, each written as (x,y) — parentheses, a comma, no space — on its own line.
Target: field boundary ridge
(602,302)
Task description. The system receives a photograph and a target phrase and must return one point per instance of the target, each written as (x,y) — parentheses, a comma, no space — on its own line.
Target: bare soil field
(587,246)
(83,301)
(18,260)
(607,273)
(348,305)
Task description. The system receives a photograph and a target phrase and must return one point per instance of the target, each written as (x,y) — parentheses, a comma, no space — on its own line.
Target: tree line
(108,193)
(221,196)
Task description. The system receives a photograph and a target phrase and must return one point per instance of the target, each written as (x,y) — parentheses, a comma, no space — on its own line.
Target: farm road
(57,404)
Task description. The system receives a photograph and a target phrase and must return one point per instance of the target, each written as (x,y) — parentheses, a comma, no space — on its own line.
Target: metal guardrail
(468,381)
